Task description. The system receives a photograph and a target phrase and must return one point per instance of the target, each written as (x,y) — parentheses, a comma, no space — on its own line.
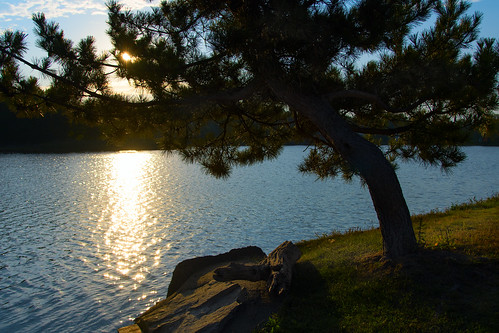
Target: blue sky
(80,18)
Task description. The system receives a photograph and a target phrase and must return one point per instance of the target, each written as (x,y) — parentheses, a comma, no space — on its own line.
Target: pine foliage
(205,68)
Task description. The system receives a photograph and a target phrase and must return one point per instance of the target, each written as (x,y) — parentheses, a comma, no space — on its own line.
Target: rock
(197,302)
(277,269)
(235,271)
(187,268)
(130,329)
(281,262)
(206,309)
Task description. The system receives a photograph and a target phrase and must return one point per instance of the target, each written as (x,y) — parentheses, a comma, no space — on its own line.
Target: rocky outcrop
(276,269)
(230,292)
(188,268)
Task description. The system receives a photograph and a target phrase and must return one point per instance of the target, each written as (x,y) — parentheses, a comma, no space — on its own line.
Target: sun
(126,56)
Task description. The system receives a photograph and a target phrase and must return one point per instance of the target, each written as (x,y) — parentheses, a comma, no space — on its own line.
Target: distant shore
(55,133)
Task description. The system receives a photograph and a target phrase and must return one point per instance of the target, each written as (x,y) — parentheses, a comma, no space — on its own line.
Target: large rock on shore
(231,292)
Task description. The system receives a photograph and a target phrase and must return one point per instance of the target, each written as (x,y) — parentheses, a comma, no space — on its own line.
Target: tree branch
(381,131)
(396,130)
(77,86)
(222,97)
(371,98)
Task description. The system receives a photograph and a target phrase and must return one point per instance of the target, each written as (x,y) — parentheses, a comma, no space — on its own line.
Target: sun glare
(126,56)
(126,217)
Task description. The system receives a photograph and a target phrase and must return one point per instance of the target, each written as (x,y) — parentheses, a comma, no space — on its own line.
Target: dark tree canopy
(230,82)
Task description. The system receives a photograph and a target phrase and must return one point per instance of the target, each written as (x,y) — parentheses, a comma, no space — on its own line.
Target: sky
(81,18)
(78,18)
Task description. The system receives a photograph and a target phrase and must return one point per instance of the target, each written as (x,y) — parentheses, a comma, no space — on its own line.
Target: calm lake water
(89,241)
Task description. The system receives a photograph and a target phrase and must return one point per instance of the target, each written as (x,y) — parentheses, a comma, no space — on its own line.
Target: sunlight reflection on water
(126,219)
(89,241)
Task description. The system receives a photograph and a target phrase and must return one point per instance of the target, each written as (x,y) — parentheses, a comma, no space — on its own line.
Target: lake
(89,241)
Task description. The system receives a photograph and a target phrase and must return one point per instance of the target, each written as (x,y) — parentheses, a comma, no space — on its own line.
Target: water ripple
(89,241)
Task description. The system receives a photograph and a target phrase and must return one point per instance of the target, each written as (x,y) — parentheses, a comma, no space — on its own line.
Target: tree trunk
(366,158)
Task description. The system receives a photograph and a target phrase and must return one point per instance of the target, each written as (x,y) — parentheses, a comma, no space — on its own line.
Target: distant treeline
(490,139)
(55,133)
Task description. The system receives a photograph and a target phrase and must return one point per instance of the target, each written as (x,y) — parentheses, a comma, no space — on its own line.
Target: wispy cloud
(11,10)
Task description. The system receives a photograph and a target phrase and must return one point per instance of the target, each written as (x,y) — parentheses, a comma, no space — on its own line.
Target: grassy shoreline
(343,284)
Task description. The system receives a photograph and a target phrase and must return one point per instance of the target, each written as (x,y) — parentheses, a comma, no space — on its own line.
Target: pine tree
(228,83)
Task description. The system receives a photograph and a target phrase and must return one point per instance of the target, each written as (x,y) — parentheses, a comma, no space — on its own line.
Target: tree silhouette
(230,82)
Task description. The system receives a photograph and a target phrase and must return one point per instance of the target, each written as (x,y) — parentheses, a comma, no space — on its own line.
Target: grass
(342,283)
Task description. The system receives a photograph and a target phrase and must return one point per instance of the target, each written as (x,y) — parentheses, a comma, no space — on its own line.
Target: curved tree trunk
(365,157)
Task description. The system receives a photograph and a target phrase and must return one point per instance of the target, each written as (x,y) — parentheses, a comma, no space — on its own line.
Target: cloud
(23,9)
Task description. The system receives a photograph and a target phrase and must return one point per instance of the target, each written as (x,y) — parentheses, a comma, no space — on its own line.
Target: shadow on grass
(308,307)
(431,291)
(435,290)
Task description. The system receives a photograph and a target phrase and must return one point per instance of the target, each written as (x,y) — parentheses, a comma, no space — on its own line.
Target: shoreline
(51,148)
(434,261)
